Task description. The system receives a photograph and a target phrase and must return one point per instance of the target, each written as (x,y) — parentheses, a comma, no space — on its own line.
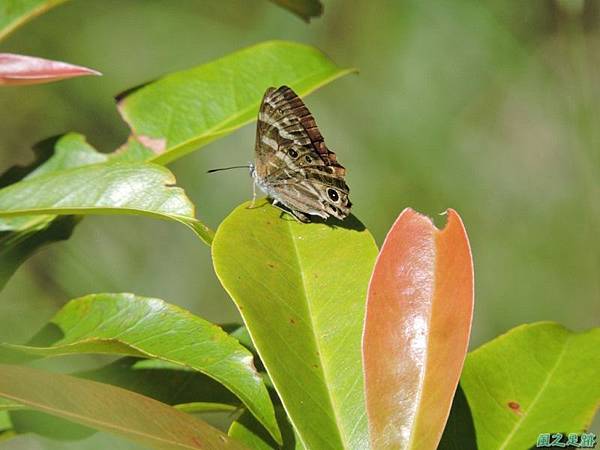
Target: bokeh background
(491,108)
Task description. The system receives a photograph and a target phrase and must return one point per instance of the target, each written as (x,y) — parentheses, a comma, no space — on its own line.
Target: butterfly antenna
(227,168)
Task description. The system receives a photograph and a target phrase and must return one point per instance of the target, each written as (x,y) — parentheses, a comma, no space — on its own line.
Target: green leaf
(102,188)
(305,9)
(111,409)
(107,188)
(186,110)
(249,432)
(301,290)
(185,389)
(71,150)
(52,155)
(7,405)
(14,13)
(129,325)
(536,378)
(22,236)
(6,426)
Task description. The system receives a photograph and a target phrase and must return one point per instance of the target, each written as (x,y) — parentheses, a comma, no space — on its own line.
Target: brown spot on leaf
(316,366)
(515,407)
(272,266)
(292,321)
(157,145)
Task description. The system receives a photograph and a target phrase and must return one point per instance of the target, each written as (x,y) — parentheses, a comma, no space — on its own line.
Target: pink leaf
(22,69)
(417,326)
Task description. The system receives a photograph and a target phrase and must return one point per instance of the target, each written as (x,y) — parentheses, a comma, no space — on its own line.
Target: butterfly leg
(253,195)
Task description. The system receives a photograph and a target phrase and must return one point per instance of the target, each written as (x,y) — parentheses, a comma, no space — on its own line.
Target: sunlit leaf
(106,188)
(301,290)
(186,110)
(22,236)
(538,378)
(21,69)
(104,407)
(417,327)
(129,325)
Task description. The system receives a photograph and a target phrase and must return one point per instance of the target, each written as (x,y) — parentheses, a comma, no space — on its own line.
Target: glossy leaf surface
(111,409)
(17,70)
(417,329)
(301,291)
(107,188)
(185,110)
(129,325)
(538,378)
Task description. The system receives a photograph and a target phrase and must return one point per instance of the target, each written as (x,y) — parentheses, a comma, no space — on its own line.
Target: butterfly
(293,166)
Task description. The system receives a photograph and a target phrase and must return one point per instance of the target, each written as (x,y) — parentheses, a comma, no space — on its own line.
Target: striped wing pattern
(293,165)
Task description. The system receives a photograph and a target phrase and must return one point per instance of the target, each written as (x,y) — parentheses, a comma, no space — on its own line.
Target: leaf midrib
(544,385)
(315,338)
(91,420)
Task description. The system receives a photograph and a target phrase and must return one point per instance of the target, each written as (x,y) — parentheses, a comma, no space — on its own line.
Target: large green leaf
(14,13)
(129,325)
(111,409)
(184,388)
(186,110)
(301,290)
(200,105)
(535,378)
(106,188)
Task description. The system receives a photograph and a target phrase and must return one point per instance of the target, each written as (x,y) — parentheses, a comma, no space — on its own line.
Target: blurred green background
(491,108)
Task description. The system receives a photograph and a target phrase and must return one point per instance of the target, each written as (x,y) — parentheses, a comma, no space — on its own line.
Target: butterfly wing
(293,164)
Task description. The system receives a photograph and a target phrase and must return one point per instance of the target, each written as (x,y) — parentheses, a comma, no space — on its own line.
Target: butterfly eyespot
(308,159)
(293,153)
(333,195)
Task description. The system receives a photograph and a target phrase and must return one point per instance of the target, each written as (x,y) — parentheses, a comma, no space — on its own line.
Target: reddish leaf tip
(22,69)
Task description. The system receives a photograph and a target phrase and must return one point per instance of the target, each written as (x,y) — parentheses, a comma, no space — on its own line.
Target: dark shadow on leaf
(127,92)
(248,426)
(459,433)
(49,335)
(42,150)
(17,246)
(172,386)
(349,223)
